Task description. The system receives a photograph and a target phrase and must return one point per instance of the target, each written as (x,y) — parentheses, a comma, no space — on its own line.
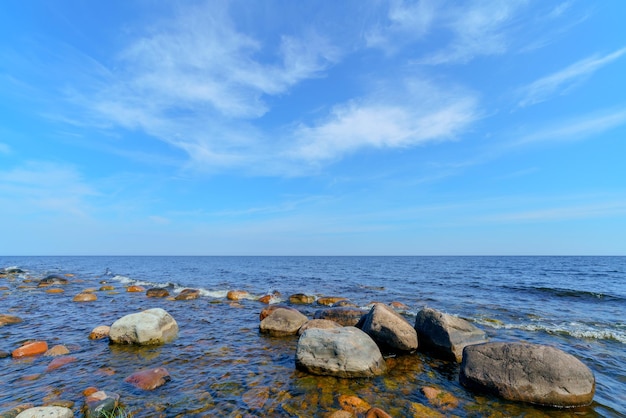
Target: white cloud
(415,113)
(562,81)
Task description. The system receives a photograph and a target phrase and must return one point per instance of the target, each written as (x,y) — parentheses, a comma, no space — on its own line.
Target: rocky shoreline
(332,338)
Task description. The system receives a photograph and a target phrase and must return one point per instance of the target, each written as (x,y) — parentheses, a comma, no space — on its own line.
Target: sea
(220,365)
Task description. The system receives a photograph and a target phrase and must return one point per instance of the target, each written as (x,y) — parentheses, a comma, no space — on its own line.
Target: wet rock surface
(389,329)
(152,326)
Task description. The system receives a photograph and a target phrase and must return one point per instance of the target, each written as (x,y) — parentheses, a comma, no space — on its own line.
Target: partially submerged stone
(345,316)
(152,326)
(282,322)
(157,292)
(446,335)
(85,297)
(188,294)
(533,373)
(52,280)
(301,299)
(341,352)
(149,379)
(99,332)
(46,412)
(9,320)
(389,329)
(32,348)
(101,404)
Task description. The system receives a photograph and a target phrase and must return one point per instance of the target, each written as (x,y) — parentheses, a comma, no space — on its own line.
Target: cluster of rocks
(349,342)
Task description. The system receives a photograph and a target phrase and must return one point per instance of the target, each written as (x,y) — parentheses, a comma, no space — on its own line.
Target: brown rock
(377,413)
(330,300)
(237,295)
(9,319)
(282,322)
(268,311)
(343,316)
(341,414)
(255,398)
(301,299)
(267,299)
(107,287)
(157,292)
(90,391)
(318,323)
(57,350)
(389,329)
(188,294)
(55,290)
(85,297)
(135,289)
(30,349)
(399,306)
(439,398)
(60,362)
(417,410)
(99,332)
(149,379)
(353,404)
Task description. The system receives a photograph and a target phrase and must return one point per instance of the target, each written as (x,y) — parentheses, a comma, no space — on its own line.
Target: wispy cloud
(415,113)
(4,148)
(563,81)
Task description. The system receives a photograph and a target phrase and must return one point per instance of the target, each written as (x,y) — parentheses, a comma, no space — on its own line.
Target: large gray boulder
(446,335)
(389,329)
(47,412)
(152,326)
(526,372)
(282,322)
(341,352)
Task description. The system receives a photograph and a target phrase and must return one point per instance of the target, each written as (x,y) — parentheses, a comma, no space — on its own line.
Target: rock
(446,335)
(60,362)
(526,372)
(57,350)
(345,303)
(101,404)
(30,349)
(237,295)
(399,306)
(343,316)
(256,397)
(157,292)
(417,410)
(353,404)
(51,280)
(85,297)
(13,270)
(340,352)
(318,323)
(377,413)
(99,332)
(149,379)
(301,299)
(4,354)
(46,412)
(188,294)
(440,398)
(267,299)
(265,312)
(282,322)
(389,329)
(329,300)
(341,414)
(55,290)
(135,289)
(152,326)
(107,288)
(9,320)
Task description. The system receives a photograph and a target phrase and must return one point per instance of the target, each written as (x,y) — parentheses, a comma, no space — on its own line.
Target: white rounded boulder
(152,326)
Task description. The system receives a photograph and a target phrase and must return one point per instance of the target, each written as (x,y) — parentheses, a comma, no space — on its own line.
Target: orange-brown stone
(90,391)
(135,289)
(157,292)
(353,404)
(99,332)
(439,398)
(85,297)
(267,311)
(267,299)
(302,299)
(55,290)
(107,287)
(30,349)
(149,379)
(57,350)
(9,319)
(399,306)
(329,300)
(188,294)
(60,362)
(237,295)
(377,413)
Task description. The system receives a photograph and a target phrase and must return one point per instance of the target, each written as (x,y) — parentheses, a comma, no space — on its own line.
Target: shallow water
(221,366)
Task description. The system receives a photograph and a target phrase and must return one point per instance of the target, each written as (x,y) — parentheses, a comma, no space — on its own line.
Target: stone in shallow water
(99,332)
(46,412)
(282,322)
(9,320)
(157,292)
(152,326)
(149,379)
(301,298)
(188,294)
(526,372)
(389,329)
(57,350)
(345,316)
(30,349)
(85,297)
(237,295)
(51,280)
(60,362)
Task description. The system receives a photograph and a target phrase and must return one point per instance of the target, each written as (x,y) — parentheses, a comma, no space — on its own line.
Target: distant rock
(282,322)
(12,270)
(85,297)
(330,300)
(157,292)
(9,320)
(135,289)
(237,295)
(152,326)
(446,335)
(301,299)
(341,352)
(533,373)
(389,329)
(345,316)
(149,379)
(188,294)
(46,412)
(53,279)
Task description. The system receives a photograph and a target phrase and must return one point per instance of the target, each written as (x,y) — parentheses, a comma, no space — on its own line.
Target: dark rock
(345,316)
(13,270)
(101,404)
(53,279)
(157,292)
(446,335)
(525,372)
(389,329)
(301,299)
(188,294)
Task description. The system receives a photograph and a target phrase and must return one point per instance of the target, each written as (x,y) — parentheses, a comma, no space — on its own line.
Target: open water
(221,366)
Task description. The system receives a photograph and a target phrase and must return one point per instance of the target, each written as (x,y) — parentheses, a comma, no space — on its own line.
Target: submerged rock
(282,322)
(57,350)
(149,379)
(101,404)
(152,326)
(9,320)
(341,352)
(446,335)
(389,329)
(188,294)
(526,372)
(85,297)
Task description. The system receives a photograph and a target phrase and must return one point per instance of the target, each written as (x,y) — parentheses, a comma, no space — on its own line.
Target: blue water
(575,303)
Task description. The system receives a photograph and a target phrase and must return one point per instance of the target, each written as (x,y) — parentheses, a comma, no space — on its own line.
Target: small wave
(568,293)
(575,330)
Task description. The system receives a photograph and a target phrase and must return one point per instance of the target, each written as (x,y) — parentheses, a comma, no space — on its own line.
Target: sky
(365,127)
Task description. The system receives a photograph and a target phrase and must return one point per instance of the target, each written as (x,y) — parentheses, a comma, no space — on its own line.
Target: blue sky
(314,128)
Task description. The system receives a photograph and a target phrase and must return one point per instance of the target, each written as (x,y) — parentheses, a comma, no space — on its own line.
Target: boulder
(282,322)
(149,379)
(152,326)
(47,412)
(99,332)
(525,372)
(345,316)
(52,279)
(389,329)
(85,297)
(9,320)
(301,299)
(446,335)
(32,348)
(157,292)
(135,289)
(188,294)
(318,323)
(101,404)
(265,312)
(237,295)
(330,300)
(341,352)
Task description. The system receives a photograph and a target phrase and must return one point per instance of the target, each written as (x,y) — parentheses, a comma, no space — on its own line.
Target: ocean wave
(576,330)
(569,293)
